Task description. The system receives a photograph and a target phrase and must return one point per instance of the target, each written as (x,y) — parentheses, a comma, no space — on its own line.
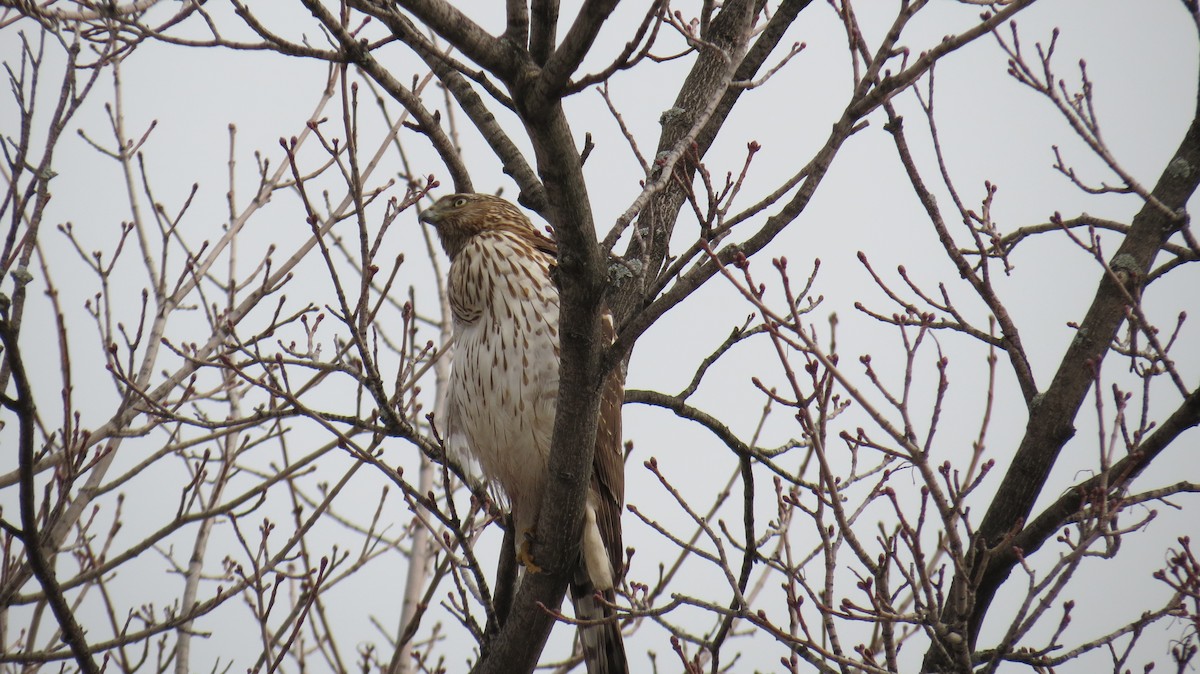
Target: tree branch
(566,59)
(459,30)
(23,407)
(1045,525)
(362,57)
(1052,413)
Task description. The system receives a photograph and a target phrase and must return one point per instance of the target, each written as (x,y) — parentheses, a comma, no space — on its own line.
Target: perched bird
(504,388)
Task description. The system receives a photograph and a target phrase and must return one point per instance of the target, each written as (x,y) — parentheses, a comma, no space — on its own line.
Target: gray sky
(1141,56)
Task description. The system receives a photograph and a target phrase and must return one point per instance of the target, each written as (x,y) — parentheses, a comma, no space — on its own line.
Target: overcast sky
(1142,57)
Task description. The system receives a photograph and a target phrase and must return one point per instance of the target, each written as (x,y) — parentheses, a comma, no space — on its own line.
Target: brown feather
(608,461)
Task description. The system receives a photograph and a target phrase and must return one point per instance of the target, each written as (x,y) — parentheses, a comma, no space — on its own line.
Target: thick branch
(1052,414)
(363,58)
(755,57)
(699,274)
(580,275)
(543,30)
(566,59)
(635,312)
(459,30)
(1185,418)
(514,163)
(516,28)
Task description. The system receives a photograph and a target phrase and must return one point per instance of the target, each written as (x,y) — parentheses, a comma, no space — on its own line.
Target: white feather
(505,378)
(594,553)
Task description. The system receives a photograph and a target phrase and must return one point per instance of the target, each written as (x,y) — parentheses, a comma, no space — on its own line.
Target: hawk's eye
(460,202)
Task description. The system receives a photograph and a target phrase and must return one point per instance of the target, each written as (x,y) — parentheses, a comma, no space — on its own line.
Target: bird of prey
(503,392)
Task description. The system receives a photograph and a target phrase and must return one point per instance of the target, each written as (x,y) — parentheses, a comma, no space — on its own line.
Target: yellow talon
(525,554)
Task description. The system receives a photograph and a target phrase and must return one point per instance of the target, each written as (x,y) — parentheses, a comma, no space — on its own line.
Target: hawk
(504,387)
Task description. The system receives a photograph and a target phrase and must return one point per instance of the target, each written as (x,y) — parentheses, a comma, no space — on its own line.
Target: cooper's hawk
(504,387)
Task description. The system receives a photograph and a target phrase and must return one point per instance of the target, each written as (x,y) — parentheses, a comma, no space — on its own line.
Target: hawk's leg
(525,552)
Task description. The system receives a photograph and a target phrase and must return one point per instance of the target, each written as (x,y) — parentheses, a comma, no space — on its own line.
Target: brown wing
(608,463)
(602,643)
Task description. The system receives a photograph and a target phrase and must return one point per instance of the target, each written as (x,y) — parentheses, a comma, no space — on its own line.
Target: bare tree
(239,405)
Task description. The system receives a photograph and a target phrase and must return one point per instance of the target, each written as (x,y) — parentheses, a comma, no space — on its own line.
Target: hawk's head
(458,217)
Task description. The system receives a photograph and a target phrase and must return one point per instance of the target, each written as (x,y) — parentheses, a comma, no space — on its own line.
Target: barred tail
(603,647)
